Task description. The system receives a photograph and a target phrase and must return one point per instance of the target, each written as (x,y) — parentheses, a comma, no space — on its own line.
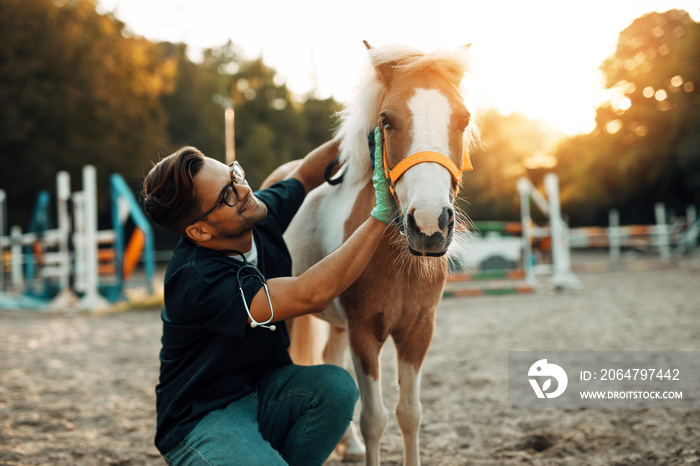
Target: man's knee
(338,386)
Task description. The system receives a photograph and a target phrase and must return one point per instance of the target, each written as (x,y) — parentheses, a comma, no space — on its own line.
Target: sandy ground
(78,389)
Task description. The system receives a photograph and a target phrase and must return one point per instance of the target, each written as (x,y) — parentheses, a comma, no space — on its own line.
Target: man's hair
(169,193)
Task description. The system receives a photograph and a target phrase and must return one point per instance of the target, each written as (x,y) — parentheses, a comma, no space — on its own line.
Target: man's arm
(314,290)
(310,171)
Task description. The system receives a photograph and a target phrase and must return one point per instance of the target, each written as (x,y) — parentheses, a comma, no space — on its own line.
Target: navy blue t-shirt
(210,355)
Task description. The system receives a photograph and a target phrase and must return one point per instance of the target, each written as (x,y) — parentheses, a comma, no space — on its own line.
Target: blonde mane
(360,116)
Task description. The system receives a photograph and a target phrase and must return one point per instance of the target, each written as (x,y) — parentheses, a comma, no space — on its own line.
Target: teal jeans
(297,416)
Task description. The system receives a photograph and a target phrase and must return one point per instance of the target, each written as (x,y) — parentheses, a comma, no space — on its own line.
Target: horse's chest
(319,227)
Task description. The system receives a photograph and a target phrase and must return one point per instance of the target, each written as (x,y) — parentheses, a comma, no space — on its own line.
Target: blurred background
(604,95)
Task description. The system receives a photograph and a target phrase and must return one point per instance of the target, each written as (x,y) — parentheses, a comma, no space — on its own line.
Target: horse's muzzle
(434,245)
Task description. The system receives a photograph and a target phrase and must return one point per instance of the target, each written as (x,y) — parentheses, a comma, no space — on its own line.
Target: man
(228,393)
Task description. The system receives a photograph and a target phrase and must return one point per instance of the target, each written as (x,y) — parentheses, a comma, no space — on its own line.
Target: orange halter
(397,172)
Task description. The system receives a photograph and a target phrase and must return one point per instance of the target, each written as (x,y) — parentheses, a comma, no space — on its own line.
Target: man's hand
(312,168)
(385,208)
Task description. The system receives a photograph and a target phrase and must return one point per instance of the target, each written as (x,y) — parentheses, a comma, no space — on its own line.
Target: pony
(417,100)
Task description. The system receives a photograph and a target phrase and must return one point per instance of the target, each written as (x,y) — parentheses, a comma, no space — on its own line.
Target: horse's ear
(458,67)
(384,70)
(456,74)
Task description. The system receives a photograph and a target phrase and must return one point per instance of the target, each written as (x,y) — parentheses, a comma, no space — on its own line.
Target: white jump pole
(63,194)
(614,234)
(79,240)
(65,297)
(663,238)
(17,257)
(561,253)
(92,299)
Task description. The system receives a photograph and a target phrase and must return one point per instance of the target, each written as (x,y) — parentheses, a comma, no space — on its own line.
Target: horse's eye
(464,121)
(386,122)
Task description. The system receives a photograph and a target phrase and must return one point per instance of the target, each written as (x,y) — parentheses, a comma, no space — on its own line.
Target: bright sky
(537,57)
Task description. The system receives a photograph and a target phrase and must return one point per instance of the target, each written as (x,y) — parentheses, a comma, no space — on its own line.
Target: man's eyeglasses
(229,195)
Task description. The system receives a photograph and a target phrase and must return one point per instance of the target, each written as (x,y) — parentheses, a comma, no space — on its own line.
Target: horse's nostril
(411,223)
(446,217)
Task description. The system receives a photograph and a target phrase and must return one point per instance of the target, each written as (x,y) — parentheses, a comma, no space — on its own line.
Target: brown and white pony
(416,98)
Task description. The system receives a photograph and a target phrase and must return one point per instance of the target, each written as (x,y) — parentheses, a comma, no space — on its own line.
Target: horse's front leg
(373,416)
(411,348)
(408,410)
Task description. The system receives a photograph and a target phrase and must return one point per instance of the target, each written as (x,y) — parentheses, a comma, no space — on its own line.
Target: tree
(271,127)
(646,146)
(194,118)
(74,90)
(320,116)
(77,88)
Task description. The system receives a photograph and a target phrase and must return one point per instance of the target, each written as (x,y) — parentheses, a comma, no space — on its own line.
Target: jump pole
(124,206)
(561,253)
(662,237)
(526,219)
(17,257)
(614,235)
(562,276)
(527,191)
(92,299)
(63,194)
(660,233)
(65,298)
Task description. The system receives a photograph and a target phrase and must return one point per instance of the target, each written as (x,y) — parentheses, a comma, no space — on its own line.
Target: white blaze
(424,190)
(431,120)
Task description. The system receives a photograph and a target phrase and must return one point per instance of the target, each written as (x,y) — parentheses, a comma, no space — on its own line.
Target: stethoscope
(254,273)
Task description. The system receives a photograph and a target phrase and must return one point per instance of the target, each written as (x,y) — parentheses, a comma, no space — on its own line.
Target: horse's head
(424,119)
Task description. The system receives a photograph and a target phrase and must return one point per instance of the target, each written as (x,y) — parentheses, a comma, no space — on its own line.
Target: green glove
(385,208)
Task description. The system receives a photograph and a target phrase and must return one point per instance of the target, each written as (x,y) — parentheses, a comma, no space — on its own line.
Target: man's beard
(251,217)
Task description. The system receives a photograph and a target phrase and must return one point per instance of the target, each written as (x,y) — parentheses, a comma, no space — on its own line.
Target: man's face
(228,222)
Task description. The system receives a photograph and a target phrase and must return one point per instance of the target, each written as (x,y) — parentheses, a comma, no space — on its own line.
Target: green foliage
(646,146)
(74,91)
(193,117)
(271,128)
(78,88)
(319,115)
